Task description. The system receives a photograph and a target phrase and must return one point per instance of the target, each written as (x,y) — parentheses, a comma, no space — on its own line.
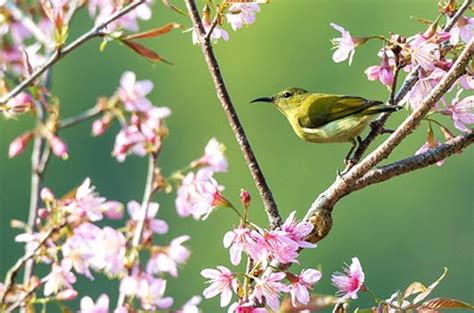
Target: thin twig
(95,31)
(82,117)
(29,24)
(430,157)
(13,272)
(149,190)
(239,133)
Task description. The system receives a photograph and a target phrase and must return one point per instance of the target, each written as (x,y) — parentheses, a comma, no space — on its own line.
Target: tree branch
(59,54)
(341,186)
(13,272)
(82,117)
(377,126)
(430,157)
(239,133)
(149,190)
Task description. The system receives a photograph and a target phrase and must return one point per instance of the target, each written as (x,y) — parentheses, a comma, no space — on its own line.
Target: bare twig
(95,31)
(29,24)
(82,117)
(430,157)
(224,97)
(149,190)
(13,272)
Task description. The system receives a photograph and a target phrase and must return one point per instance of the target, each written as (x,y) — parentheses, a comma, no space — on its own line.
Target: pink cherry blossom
(19,104)
(109,251)
(351,282)
(382,72)
(345,45)
(152,225)
(461,111)
(423,52)
(467,81)
(242,14)
(198,194)
(60,278)
(277,245)
(167,259)
(78,250)
(191,306)
(101,306)
(297,231)
(423,87)
(302,284)
(105,8)
(463,30)
(86,203)
(241,239)
(148,289)
(222,281)
(133,93)
(245,308)
(67,295)
(270,289)
(213,157)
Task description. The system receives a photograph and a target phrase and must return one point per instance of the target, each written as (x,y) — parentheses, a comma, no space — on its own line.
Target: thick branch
(224,97)
(430,157)
(409,82)
(92,33)
(342,185)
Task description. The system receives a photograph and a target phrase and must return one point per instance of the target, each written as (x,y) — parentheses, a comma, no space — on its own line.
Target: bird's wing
(320,109)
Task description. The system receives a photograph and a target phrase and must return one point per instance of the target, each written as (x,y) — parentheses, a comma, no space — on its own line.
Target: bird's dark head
(287,99)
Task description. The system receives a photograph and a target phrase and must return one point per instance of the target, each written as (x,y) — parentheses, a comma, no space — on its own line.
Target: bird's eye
(287,94)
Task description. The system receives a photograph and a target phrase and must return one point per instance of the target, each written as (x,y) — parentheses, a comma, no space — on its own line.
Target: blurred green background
(403,230)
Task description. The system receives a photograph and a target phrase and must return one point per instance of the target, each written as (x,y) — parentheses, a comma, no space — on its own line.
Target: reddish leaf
(444,303)
(144,51)
(152,33)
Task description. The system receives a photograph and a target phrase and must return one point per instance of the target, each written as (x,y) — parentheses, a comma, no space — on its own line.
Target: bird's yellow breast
(342,130)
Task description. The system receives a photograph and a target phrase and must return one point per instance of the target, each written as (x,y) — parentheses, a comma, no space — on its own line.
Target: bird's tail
(380,107)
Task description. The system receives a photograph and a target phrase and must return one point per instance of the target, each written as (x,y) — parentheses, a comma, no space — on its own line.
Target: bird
(327,118)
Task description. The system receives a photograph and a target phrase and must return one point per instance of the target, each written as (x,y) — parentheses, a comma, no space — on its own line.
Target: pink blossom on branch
(269,288)
(345,45)
(101,306)
(351,282)
(242,14)
(241,240)
(213,158)
(461,111)
(167,259)
(222,281)
(60,278)
(302,284)
(133,93)
(245,308)
(383,72)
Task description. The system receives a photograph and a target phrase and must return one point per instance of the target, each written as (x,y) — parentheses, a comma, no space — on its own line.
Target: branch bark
(226,102)
(59,54)
(430,157)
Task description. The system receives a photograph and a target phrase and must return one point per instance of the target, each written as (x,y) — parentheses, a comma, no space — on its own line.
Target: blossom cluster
(430,54)
(237,14)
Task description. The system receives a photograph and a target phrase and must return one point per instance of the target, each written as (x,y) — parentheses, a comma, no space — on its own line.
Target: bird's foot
(387,131)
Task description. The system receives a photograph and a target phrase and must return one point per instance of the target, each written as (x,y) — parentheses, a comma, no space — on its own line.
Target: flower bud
(47,195)
(113,210)
(59,148)
(66,295)
(100,126)
(245,198)
(447,133)
(18,145)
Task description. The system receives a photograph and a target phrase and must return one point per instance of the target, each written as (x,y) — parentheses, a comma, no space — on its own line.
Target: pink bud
(59,148)
(20,104)
(18,145)
(43,213)
(100,126)
(67,295)
(47,195)
(245,198)
(372,72)
(135,120)
(113,210)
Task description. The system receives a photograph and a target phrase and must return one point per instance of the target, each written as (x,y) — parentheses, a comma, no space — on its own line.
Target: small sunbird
(327,118)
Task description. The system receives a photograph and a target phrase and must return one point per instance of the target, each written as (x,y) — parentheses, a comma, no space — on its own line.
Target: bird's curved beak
(262,99)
